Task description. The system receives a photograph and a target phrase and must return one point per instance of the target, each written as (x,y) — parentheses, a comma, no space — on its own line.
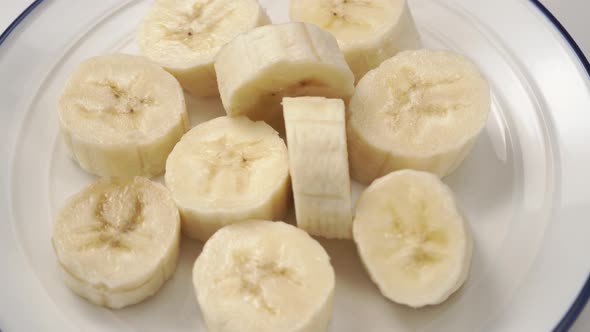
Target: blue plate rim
(580,302)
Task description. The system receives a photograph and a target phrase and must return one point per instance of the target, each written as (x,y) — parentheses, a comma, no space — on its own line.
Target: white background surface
(571,13)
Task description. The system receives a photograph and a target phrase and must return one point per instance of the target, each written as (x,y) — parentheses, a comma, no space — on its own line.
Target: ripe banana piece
(121,115)
(419,110)
(412,238)
(368,31)
(263,276)
(257,69)
(316,135)
(228,170)
(184,36)
(117,240)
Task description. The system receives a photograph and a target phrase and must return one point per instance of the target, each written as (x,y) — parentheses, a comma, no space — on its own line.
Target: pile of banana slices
(345,85)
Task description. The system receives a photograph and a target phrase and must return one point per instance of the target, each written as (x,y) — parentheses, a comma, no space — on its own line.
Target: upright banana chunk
(121,115)
(184,36)
(316,134)
(257,69)
(368,31)
(419,110)
(412,238)
(117,241)
(262,276)
(228,170)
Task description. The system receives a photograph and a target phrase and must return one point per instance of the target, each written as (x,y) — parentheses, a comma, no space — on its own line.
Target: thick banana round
(263,276)
(412,238)
(318,160)
(117,240)
(121,115)
(228,170)
(257,69)
(368,31)
(419,110)
(184,37)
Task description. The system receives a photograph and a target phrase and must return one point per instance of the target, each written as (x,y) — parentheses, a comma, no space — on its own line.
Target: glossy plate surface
(524,188)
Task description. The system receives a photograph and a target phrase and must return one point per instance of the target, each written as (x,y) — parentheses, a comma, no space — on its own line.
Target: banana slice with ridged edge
(419,110)
(412,238)
(121,115)
(228,170)
(184,36)
(117,240)
(316,135)
(368,31)
(257,69)
(262,276)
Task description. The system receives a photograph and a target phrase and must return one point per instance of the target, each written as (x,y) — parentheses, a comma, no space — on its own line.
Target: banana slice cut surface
(262,276)
(420,110)
(257,69)
(121,115)
(412,238)
(368,31)
(318,159)
(228,170)
(184,36)
(117,240)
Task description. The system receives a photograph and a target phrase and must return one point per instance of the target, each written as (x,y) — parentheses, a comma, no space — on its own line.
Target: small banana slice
(184,36)
(419,110)
(228,170)
(257,69)
(316,135)
(412,238)
(263,276)
(121,115)
(368,31)
(117,240)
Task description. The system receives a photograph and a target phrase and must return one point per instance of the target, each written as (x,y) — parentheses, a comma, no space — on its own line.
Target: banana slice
(412,238)
(368,31)
(228,170)
(316,134)
(184,36)
(262,276)
(257,69)
(121,115)
(420,110)
(117,240)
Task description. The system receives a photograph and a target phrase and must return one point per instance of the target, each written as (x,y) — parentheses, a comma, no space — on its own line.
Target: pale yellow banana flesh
(228,170)
(318,159)
(263,276)
(117,240)
(412,238)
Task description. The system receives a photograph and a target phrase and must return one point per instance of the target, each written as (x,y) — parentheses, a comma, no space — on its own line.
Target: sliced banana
(412,238)
(117,240)
(228,170)
(419,110)
(121,115)
(262,276)
(368,31)
(257,69)
(316,135)
(184,36)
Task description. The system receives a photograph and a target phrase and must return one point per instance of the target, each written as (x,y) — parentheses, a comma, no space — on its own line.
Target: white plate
(524,188)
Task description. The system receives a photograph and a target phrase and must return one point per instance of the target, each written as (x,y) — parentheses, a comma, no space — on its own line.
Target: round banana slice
(228,170)
(412,238)
(257,69)
(419,110)
(121,115)
(368,31)
(184,36)
(263,276)
(117,240)
(318,160)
